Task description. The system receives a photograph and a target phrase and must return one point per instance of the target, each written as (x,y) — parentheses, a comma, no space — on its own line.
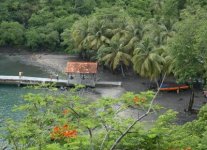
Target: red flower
(65,111)
(188,148)
(62,132)
(56,129)
(65,127)
(70,133)
(136,99)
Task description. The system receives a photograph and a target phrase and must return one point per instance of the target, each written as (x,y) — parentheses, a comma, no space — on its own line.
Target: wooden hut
(82,73)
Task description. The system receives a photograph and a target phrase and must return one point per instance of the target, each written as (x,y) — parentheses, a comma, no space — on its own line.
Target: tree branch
(91,138)
(74,112)
(105,137)
(140,118)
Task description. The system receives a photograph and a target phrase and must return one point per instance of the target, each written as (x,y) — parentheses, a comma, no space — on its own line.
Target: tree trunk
(122,71)
(91,139)
(151,86)
(82,54)
(157,83)
(204,83)
(160,79)
(191,102)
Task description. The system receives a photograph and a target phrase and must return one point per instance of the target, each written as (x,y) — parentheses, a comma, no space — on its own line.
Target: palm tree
(136,32)
(159,32)
(114,56)
(147,60)
(136,28)
(97,37)
(79,33)
(168,30)
(156,7)
(168,65)
(153,31)
(121,34)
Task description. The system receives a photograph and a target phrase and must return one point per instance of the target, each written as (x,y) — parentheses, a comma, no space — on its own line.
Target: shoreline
(56,63)
(52,63)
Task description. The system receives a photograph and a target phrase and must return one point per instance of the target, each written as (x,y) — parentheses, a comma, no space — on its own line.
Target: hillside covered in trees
(152,36)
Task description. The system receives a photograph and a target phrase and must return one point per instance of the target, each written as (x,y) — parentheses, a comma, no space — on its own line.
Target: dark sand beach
(56,63)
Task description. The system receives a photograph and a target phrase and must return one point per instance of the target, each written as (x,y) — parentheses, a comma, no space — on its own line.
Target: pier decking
(24,80)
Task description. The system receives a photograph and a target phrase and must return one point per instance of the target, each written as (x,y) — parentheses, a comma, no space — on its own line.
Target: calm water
(11,95)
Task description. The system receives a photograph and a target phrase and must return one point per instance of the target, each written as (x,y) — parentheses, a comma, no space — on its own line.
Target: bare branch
(105,137)
(74,112)
(140,118)
(91,138)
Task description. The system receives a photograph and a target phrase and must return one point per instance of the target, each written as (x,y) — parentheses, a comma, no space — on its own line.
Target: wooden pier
(108,83)
(24,80)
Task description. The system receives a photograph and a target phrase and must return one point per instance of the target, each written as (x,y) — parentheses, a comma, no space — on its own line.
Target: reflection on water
(11,95)
(12,66)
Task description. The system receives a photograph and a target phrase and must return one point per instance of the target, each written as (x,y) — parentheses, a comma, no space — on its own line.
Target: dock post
(178,90)
(20,77)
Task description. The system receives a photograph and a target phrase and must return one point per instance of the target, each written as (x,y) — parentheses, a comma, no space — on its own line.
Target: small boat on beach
(173,87)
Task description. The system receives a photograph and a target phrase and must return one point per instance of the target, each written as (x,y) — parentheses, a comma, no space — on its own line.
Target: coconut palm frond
(148,60)
(116,60)
(126,59)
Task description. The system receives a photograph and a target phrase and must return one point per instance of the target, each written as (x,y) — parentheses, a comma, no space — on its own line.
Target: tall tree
(79,33)
(159,31)
(135,34)
(11,33)
(188,64)
(114,56)
(147,60)
(97,36)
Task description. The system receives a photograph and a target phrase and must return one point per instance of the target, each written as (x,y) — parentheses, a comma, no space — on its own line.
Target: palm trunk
(82,54)
(157,83)
(122,70)
(191,102)
(160,79)
(204,83)
(151,86)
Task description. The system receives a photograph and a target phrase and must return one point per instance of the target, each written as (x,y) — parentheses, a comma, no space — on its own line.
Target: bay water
(11,95)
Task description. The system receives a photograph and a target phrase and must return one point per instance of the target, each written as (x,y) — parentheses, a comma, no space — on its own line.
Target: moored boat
(173,87)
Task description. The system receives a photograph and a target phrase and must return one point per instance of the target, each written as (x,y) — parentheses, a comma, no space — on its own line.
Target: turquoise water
(11,95)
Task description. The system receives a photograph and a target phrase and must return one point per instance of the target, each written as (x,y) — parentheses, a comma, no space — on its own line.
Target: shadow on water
(13,66)
(11,95)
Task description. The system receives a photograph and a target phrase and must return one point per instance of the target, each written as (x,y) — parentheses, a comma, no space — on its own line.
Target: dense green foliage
(68,121)
(144,34)
(154,37)
(188,46)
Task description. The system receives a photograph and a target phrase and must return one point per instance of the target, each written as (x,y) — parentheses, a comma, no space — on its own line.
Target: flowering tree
(62,121)
(70,120)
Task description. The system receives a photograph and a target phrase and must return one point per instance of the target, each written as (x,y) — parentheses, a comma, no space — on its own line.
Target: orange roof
(81,67)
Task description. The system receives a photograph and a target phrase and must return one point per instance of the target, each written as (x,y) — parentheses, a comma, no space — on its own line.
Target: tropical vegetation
(152,37)
(63,121)
(118,34)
